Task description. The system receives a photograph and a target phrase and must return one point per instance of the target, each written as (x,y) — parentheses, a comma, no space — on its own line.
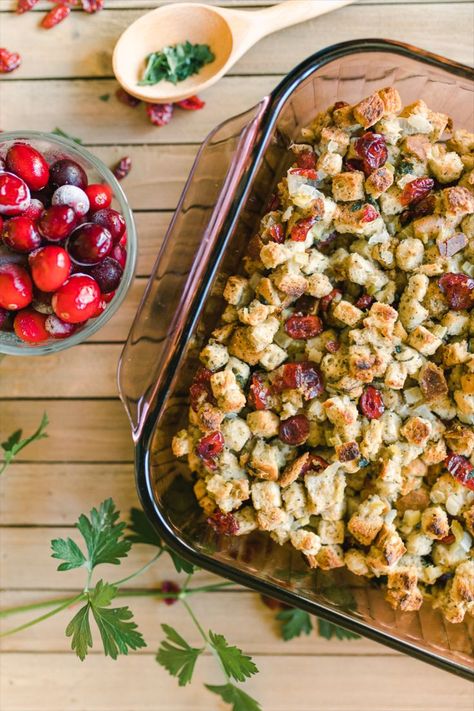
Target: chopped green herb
(59,132)
(405,167)
(357,205)
(176,63)
(398,349)
(363,462)
(104,97)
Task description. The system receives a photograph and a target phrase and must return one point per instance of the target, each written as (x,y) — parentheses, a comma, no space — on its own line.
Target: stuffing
(214,355)
(347,313)
(328,558)
(265,461)
(326,494)
(227,392)
(180,444)
(329,163)
(368,111)
(434,523)
(445,166)
(378,182)
(367,521)
(305,541)
(237,290)
(265,495)
(392,102)
(386,551)
(347,187)
(409,254)
(402,589)
(416,430)
(263,423)
(236,433)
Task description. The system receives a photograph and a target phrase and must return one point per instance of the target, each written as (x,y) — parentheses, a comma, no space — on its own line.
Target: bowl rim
(144,484)
(78,150)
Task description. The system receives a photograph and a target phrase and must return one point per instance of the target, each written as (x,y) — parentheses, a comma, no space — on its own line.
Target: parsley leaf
(236,664)
(294,623)
(143,532)
(231,694)
(328,630)
(59,132)
(117,632)
(176,63)
(404,167)
(104,97)
(14,443)
(65,549)
(177,656)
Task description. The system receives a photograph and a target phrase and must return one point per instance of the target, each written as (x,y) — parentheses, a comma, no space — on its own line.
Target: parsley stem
(196,621)
(32,606)
(209,588)
(139,571)
(66,603)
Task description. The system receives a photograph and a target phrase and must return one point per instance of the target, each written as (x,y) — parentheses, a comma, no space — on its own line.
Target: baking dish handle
(200,215)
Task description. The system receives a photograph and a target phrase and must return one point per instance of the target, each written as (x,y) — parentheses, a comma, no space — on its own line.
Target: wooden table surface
(88,455)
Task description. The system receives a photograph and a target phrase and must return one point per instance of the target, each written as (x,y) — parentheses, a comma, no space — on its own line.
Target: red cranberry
(461,469)
(309,173)
(21,235)
(167,586)
(112,220)
(120,255)
(259,395)
(328,244)
(68,172)
(8,60)
(371,403)
(56,15)
(58,328)
(77,299)
(29,326)
(303,327)
(364,302)
(50,267)
(223,523)
(425,206)
(100,196)
(458,289)
(14,194)
(100,308)
(209,447)
(57,222)
(192,103)
(373,150)
(25,6)
(306,160)
(303,375)
(28,163)
(333,346)
(416,190)
(300,231)
(294,430)
(107,274)
(273,203)
(89,244)
(72,196)
(200,390)
(92,6)
(160,114)
(34,210)
(16,289)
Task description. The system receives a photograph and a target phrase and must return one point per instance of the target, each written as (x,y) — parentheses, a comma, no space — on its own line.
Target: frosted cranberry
(8,60)
(300,231)
(50,267)
(277,233)
(294,430)
(28,163)
(42,302)
(223,523)
(21,235)
(16,289)
(458,289)
(34,210)
(461,469)
(89,244)
(259,395)
(29,326)
(100,196)
(111,220)
(364,302)
(120,255)
(303,327)
(77,299)
(160,114)
(57,222)
(371,403)
(72,196)
(14,194)
(58,328)
(192,103)
(373,150)
(200,390)
(416,190)
(209,447)
(67,172)
(107,274)
(306,160)
(304,376)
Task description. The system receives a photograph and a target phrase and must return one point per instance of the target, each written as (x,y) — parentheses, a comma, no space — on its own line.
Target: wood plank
(376,684)
(212,609)
(119,325)
(151,229)
(89,52)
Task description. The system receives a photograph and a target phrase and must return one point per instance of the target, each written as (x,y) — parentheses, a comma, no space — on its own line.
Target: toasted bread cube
(272,356)
(246,520)
(263,423)
(180,444)
(402,589)
(458,201)
(409,254)
(214,356)
(391,100)
(265,495)
(417,430)
(334,140)
(424,341)
(462,141)
(370,110)
(307,542)
(347,313)
(445,166)
(435,523)
(347,187)
(236,433)
(270,519)
(329,163)
(379,181)
(329,557)
(237,290)
(331,532)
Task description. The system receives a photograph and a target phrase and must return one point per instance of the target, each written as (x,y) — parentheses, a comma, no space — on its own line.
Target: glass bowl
(224,198)
(53,148)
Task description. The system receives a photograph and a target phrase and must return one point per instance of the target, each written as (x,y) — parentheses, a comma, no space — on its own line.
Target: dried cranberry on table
(160,114)
(259,395)
(167,586)
(125,98)
(371,403)
(8,61)
(303,327)
(56,15)
(91,6)
(123,168)
(416,190)
(373,150)
(458,289)
(25,6)
(28,163)
(192,103)
(294,430)
(209,447)
(461,469)
(223,523)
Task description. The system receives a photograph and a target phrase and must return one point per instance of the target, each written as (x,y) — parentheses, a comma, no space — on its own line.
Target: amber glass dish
(233,175)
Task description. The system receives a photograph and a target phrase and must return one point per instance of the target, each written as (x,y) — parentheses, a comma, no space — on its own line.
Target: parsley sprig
(295,622)
(15,443)
(176,63)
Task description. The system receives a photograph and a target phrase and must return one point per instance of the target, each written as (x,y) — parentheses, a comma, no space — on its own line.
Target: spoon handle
(292,12)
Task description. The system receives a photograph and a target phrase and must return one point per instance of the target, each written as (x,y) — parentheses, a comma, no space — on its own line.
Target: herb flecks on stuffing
(335,405)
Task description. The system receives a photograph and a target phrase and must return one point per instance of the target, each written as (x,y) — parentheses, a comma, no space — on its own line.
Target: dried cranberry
(259,396)
(328,299)
(192,103)
(333,346)
(458,289)
(326,245)
(8,60)
(340,105)
(369,214)
(303,375)
(55,16)
(200,390)
(309,173)
(125,98)
(303,327)
(416,190)
(306,160)
(315,463)
(371,403)
(223,523)
(364,302)
(373,150)
(301,229)
(123,168)
(25,6)
(425,206)
(354,164)
(277,233)
(447,540)
(91,6)
(294,430)
(461,469)
(160,114)
(167,586)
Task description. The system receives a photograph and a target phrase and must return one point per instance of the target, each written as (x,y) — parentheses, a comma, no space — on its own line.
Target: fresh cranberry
(14,194)
(100,308)
(107,274)
(327,300)
(89,244)
(112,220)
(160,114)
(306,160)
(371,403)
(67,172)
(77,299)
(58,328)
(119,254)
(34,210)
(56,15)
(458,289)
(25,6)
(309,173)
(304,376)
(8,60)
(200,390)
(44,195)
(333,346)
(277,233)
(28,163)
(100,195)
(29,326)
(461,469)
(369,214)
(416,190)
(123,168)
(92,6)
(108,297)
(50,267)
(209,447)
(21,235)
(223,523)
(125,98)
(73,197)
(16,289)
(303,327)
(300,230)
(294,430)
(259,395)
(2,165)
(364,302)
(57,222)
(373,150)
(192,103)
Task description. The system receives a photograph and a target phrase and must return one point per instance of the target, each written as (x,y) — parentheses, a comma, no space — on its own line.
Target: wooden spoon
(229,34)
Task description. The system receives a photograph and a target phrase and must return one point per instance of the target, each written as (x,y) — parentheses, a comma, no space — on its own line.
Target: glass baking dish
(233,175)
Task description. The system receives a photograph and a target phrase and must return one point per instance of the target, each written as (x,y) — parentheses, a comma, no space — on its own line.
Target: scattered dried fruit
(223,523)
(461,469)
(303,327)
(458,289)
(294,430)
(25,6)
(259,395)
(416,190)
(56,15)
(192,103)
(8,60)
(371,403)
(160,114)
(373,150)
(123,168)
